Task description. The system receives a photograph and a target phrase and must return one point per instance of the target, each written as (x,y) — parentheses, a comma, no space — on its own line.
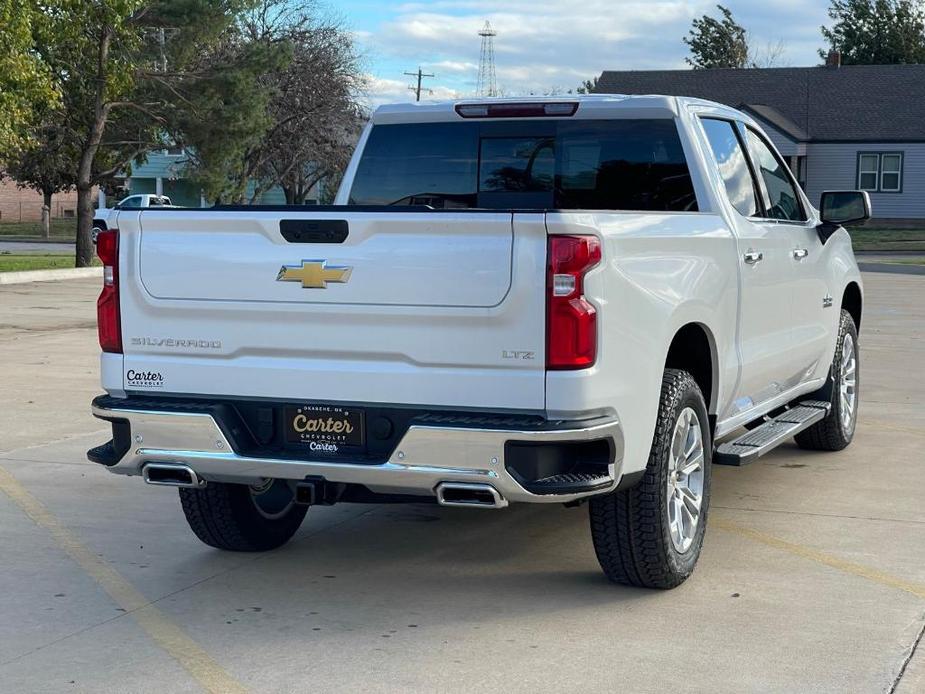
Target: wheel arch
(693,349)
(853,301)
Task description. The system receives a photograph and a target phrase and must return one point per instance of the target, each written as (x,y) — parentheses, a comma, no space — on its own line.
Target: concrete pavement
(812,578)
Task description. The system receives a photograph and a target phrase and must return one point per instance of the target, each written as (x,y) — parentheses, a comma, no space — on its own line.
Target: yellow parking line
(880,577)
(158,626)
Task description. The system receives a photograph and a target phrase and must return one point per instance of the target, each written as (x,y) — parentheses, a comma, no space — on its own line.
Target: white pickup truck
(589,299)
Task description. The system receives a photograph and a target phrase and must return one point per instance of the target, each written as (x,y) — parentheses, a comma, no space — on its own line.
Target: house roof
(882,103)
(771,115)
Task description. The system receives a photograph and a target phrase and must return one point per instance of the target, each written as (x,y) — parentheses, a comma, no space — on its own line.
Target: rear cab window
(618,164)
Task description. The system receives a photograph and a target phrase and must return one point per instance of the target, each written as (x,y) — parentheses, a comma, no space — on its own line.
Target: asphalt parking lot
(812,577)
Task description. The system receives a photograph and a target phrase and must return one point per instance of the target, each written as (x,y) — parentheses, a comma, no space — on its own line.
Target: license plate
(325,428)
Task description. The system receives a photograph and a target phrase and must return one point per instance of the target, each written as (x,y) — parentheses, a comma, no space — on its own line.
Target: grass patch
(882,239)
(13,262)
(61,229)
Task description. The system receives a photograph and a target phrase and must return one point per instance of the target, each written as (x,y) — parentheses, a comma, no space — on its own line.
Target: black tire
(226,516)
(630,529)
(833,433)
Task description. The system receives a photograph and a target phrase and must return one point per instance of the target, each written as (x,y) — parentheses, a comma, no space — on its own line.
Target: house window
(880,172)
(891,168)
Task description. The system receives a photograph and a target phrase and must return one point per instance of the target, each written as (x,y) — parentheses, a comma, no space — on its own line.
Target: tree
(876,32)
(130,71)
(238,98)
(312,117)
(717,43)
(588,86)
(25,82)
(317,119)
(45,165)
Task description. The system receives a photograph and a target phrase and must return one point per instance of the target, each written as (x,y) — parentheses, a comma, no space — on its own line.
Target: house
(840,127)
(164,172)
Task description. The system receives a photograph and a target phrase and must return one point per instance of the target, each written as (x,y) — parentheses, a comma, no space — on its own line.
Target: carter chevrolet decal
(314,274)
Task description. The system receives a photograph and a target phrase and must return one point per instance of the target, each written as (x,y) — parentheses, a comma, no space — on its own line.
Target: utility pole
(419,75)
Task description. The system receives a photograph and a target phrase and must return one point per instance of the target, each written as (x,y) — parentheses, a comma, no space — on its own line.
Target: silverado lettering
(171,342)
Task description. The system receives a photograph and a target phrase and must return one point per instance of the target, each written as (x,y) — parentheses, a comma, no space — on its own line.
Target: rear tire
(836,431)
(636,532)
(240,518)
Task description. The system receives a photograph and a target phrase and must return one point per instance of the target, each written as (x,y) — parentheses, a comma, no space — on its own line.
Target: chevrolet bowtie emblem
(314,274)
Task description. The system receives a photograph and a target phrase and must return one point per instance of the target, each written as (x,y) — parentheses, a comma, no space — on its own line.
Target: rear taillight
(571,321)
(107,306)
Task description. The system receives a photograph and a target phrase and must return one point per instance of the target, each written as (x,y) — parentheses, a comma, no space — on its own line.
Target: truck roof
(589,106)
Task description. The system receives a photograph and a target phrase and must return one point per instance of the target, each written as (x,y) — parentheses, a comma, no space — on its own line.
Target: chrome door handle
(800,253)
(753,257)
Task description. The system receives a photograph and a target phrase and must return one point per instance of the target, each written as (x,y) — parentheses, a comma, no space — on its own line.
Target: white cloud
(454,66)
(544,44)
(388,91)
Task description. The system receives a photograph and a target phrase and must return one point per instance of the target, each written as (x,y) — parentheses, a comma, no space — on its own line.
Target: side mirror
(838,208)
(845,207)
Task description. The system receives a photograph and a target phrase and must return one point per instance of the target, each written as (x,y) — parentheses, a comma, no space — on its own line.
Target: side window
(783,200)
(733,167)
(131,203)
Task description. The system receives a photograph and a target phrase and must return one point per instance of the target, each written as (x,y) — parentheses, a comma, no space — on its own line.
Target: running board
(755,443)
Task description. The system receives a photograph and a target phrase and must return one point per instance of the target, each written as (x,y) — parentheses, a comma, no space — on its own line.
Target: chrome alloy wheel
(685,480)
(848,384)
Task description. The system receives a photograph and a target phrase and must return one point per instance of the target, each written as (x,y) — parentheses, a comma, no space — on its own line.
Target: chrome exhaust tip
(469,495)
(172,475)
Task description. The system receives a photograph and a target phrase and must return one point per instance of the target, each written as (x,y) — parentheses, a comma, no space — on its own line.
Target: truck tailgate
(418,308)
(395,259)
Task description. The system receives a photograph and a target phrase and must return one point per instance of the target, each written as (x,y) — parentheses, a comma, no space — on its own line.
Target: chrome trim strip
(425,457)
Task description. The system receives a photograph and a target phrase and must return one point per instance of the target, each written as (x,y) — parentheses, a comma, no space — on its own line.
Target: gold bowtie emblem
(314,274)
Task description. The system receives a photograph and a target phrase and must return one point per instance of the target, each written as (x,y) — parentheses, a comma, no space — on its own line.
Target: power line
(417,89)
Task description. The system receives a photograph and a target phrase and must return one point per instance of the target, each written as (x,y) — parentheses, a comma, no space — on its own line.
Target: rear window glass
(634,164)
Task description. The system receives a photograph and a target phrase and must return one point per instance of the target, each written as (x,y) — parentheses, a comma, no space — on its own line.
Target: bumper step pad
(755,443)
(570,483)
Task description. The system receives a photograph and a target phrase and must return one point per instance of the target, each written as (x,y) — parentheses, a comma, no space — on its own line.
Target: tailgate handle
(314,230)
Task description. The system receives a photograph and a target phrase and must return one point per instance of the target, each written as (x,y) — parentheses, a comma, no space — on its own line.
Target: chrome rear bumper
(425,457)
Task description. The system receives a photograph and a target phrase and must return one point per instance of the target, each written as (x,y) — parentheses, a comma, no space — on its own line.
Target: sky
(544,46)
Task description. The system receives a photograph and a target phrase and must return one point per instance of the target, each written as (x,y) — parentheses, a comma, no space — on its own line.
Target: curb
(72,273)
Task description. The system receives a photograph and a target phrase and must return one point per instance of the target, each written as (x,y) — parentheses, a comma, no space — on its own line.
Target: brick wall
(19,204)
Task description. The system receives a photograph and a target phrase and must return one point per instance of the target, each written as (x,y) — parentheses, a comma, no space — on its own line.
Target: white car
(571,300)
(103,218)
